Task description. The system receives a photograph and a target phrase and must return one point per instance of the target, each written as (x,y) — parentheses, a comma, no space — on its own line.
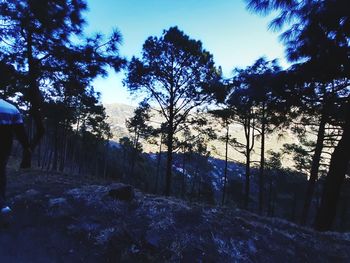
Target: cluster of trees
(179,76)
(47,65)
(316,35)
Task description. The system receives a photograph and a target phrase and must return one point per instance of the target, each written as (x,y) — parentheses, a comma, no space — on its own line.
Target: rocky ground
(60,218)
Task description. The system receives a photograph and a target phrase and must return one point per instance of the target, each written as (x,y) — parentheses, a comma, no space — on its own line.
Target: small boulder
(59,207)
(122,192)
(153,239)
(54,202)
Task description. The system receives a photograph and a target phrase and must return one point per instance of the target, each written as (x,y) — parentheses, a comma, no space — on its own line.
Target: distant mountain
(118,113)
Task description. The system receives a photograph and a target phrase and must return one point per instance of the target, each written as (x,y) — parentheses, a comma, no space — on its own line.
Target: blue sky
(232,34)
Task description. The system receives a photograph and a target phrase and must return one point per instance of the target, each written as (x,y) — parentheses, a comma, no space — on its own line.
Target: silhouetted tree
(317,37)
(44,40)
(250,100)
(261,87)
(139,128)
(177,73)
(225,115)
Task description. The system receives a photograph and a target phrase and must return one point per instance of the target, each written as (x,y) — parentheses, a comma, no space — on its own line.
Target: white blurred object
(5,210)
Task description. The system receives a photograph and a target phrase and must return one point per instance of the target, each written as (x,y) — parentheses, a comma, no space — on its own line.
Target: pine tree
(178,75)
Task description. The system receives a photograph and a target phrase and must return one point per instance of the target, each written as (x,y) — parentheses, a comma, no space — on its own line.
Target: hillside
(61,218)
(118,113)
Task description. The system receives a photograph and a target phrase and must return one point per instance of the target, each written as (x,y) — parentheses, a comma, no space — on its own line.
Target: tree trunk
(183,183)
(158,165)
(270,201)
(262,162)
(134,154)
(225,171)
(334,180)
(314,170)
(34,94)
(105,165)
(55,155)
(39,155)
(247,182)
(169,163)
(199,188)
(194,182)
(247,165)
(64,146)
(294,204)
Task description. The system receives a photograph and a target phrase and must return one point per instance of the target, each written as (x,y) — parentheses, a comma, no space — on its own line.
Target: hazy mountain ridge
(119,113)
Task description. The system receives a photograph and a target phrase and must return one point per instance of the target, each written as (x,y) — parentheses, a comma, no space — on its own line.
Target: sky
(235,36)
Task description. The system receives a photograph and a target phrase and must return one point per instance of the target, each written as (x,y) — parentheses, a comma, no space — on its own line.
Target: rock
(59,207)
(153,239)
(29,194)
(57,202)
(251,246)
(104,236)
(32,193)
(122,192)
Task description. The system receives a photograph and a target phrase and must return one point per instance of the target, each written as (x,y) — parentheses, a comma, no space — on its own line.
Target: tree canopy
(178,75)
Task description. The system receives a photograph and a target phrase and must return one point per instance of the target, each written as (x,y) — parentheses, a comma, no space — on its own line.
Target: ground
(62,218)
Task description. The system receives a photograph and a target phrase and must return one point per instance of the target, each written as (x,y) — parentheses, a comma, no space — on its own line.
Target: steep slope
(60,218)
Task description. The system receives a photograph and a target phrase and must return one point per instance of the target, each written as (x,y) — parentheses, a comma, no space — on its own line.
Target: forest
(48,64)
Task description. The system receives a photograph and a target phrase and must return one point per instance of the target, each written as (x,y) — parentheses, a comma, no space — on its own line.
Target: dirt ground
(62,218)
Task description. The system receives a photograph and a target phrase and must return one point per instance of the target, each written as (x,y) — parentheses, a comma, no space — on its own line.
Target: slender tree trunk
(134,154)
(294,205)
(314,170)
(269,211)
(105,159)
(247,182)
(48,165)
(39,154)
(247,166)
(46,153)
(274,201)
(183,183)
(64,147)
(343,216)
(55,155)
(199,187)
(338,167)
(194,183)
(170,141)
(35,97)
(226,163)
(169,163)
(158,165)
(262,162)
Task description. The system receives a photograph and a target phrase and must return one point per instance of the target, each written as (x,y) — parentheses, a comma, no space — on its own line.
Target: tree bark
(249,147)
(34,94)
(169,162)
(226,164)
(55,155)
(314,170)
(270,201)
(262,162)
(338,167)
(183,182)
(158,164)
